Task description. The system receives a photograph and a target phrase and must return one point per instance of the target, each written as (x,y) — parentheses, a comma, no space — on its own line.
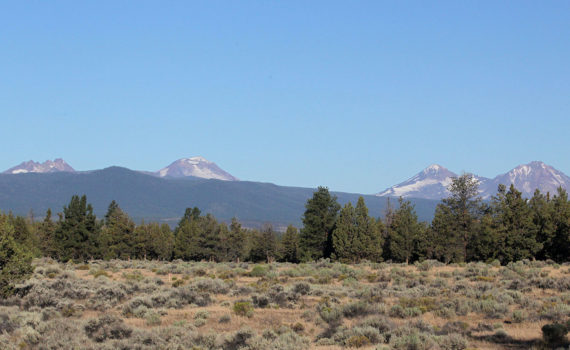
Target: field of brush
(322,305)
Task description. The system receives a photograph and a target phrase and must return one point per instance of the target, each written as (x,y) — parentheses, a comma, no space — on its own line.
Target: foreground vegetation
(325,286)
(324,305)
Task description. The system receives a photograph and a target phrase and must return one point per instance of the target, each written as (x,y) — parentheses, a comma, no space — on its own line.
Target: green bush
(243,308)
(258,271)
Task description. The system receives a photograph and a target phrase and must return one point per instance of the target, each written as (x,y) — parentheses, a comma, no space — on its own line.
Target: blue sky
(356,96)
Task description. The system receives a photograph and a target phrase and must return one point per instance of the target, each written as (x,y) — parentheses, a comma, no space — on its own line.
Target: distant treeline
(464,228)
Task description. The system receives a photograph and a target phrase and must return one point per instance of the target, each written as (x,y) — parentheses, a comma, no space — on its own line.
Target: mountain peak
(49,166)
(433,168)
(529,177)
(430,183)
(196,160)
(195,166)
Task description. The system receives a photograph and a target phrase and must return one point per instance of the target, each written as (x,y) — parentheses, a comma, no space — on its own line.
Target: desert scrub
(243,308)
(424,304)
(99,273)
(258,271)
(356,309)
(107,327)
(227,318)
(152,318)
(215,286)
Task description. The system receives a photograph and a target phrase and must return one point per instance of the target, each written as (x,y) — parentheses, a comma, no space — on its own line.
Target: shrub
(357,341)
(519,316)
(238,340)
(453,342)
(225,318)
(356,309)
(425,304)
(216,286)
(332,316)
(6,325)
(258,271)
(381,323)
(152,319)
(260,301)
(554,333)
(302,288)
(203,314)
(243,308)
(107,327)
(457,327)
(99,273)
(298,327)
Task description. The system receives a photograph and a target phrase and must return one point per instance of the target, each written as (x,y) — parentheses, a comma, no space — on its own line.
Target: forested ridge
(464,228)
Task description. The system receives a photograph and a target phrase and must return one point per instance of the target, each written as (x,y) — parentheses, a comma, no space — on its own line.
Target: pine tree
(186,240)
(559,246)
(264,246)
(163,246)
(442,236)
(77,233)
(356,236)
(542,211)
(369,241)
(456,217)
(15,259)
(405,231)
(315,240)
(344,234)
(119,233)
(46,235)
(290,245)
(232,241)
(514,225)
(484,240)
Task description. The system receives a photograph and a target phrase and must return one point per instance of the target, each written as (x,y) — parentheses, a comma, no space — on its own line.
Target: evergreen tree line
(464,228)
(76,234)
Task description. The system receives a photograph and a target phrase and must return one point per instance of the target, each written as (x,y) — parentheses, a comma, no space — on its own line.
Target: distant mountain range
(150,197)
(432,182)
(164,194)
(195,166)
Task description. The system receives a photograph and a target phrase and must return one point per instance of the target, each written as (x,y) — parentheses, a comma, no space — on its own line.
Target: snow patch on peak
(196,167)
(433,167)
(49,166)
(196,160)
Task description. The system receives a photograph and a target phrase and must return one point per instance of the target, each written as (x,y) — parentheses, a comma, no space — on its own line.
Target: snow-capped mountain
(48,166)
(527,178)
(431,183)
(197,167)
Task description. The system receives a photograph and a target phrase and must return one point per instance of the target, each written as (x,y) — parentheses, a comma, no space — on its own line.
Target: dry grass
(346,284)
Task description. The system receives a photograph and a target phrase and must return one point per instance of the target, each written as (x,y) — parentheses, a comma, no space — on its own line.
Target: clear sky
(353,95)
